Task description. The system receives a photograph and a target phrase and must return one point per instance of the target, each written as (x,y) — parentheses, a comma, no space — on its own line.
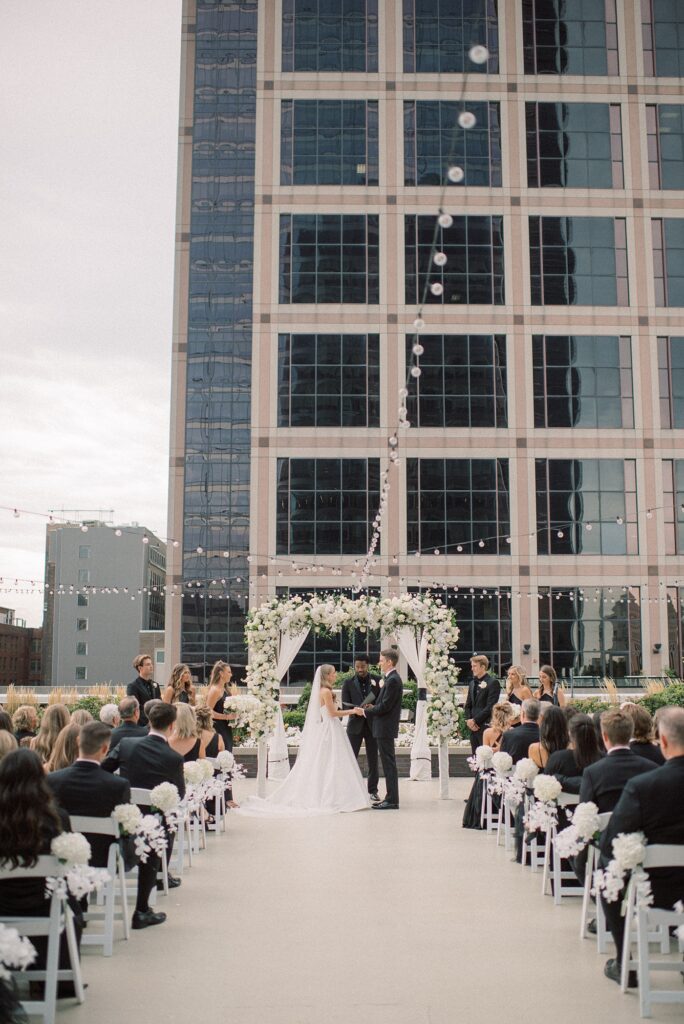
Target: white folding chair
(142,798)
(488,818)
(505,824)
(562,882)
(602,934)
(644,919)
(531,847)
(220,809)
(115,886)
(58,919)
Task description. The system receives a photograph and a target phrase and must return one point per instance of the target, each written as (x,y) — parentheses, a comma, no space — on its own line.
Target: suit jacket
(384,715)
(146,762)
(481,699)
(604,781)
(563,766)
(653,803)
(517,742)
(352,695)
(651,751)
(144,691)
(85,788)
(126,729)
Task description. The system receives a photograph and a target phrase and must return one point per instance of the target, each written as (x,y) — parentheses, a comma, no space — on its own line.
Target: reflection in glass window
(675,629)
(591,631)
(438,35)
(576,38)
(662,23)
(329,142)
(671,381)
(433,142)
(586,506)
(328,380)
(485,623)
(668,260)
(329,258)
(322,36)
(457,506)
(474,270)
(574,145)
(665,129)
(462,383)
(582,381)
(326,506)
(673,505)
(578,261)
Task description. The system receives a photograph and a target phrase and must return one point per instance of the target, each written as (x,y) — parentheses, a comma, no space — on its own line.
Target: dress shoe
(374,797)
(591,927)
(385,805)
(613,970)
(172,880)
(146,918)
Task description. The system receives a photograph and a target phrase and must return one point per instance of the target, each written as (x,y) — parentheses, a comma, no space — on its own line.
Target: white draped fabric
(278,762)
(414,646)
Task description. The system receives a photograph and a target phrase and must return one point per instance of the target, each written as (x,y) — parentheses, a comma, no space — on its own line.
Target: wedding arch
(424,629)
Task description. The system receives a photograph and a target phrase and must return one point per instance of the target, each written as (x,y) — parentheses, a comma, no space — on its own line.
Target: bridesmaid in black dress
(219,679)
(185,738)
(179,689)
(550,691)
(517,689)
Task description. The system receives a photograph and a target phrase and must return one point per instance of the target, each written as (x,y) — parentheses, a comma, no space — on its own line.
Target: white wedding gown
(325,779)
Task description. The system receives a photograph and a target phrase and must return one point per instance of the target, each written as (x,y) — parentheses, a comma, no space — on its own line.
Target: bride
(326,778)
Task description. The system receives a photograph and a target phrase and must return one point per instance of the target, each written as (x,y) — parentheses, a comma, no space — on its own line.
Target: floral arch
(424,628)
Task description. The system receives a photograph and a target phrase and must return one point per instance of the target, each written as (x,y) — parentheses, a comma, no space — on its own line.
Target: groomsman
(355,693)
(483,694)
(384,716)
(143,687)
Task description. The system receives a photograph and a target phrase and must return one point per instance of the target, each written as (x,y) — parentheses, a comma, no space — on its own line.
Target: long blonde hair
(55,717)
(327,671)
(186,723)
(522,679)
(216,672)
(65,750)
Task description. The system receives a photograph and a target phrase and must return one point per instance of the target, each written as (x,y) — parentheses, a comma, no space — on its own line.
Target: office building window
(84,575)
(662,23)
(675,629)
(668,260)
(591,631)
(458,506)
(582,381)
(574,145)
(665,129)
(586,506)
(485,623)
(329,142)
(329,258)
(81,673)
(577,38)
(462,381)
(82,600)
(328,380)
(81,625)
(326,506)
(578,261)
(671,378)
(438,36)
(474,268)
(83,551)
(434,142)
(673,505)
(330,35)
(81,649)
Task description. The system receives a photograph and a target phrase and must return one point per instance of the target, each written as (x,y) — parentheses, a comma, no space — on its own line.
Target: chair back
(96,826)
(45,866)
(141,796)
(568,799)
(664,856)
(604,819)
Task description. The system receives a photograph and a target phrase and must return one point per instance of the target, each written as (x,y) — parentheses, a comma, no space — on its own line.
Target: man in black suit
(483,693)
(516,742)
(384,716)
(143,687)
(129,710)
(604,781)
(651,803)
(355,693)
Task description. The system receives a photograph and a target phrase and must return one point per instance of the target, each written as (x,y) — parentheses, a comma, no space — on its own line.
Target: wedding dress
(325,779)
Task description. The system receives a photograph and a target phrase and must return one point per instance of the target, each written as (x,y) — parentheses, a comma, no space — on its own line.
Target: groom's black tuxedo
(384,717)
(359,730)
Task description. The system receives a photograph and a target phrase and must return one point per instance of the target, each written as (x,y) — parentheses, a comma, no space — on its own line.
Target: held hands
(472,725)
(360,712)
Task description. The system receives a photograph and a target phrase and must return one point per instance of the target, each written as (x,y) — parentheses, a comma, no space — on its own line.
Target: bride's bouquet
(244,706)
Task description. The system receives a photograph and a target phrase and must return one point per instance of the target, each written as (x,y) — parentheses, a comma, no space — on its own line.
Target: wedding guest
(360,689)
(604,781)
(80,716)
(483,693)
(25,722)
(55,717)
(129,711)
(568,765)
(570,711)
(502,719)
(185,738)
(179,689)
(517,689)
(596,719)
(219,681)
(7,743)
(517,742)
(109,714)
(651,803)
(65,750)
(553,736)
(550,691)
(642,738)
(143,687)
(6,722)
(213,743)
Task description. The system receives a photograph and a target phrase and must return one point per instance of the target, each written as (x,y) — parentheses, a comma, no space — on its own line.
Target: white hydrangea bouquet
(584,828)
(629,850)
(522,779)
(146,830)
(165,800)
(502,764)
(543,813)
(245,707)
(78,879)
(481,760)
(229,769)
(16,952)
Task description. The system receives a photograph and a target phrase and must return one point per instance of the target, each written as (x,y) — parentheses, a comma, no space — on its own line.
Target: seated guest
(179,689)
(604,781)
(568,765)
(109,714)
(516,742)
(25,722)
(7,743)
(55,717)
(651,802)
(30,821)
(553,736)
(65,750)
(570,710)
(596,719)
(129,711)
(143,687)
(517,689)
(185,738)
(502,719)
(642,738)
(550,691)
(6,722)
(80,716)
(213,743)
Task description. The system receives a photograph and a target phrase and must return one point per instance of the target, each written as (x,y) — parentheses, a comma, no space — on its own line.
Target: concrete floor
(400,917)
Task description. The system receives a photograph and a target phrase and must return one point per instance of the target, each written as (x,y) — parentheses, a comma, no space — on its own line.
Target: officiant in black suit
(384,716)
(143,687)
(483,693)
(356,692)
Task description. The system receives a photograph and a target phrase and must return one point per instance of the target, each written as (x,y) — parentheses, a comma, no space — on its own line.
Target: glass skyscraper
(540,485)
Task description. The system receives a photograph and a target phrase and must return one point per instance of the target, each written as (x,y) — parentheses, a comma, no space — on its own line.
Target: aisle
(357,919)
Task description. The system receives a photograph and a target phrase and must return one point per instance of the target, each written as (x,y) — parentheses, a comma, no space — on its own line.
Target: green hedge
(671,695)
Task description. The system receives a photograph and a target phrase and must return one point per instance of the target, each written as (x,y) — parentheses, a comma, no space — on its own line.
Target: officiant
(362,689)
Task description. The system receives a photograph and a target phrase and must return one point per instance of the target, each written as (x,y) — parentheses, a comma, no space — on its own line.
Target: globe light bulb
(117,533)
(403,393)
(436,288)
(439,259)
(455,174)
(467,119)
(199,550)
(176,543)
(417,350)
(416,371)
(146,540)
(478,54)
(84,529)
(419,323)
(445,220)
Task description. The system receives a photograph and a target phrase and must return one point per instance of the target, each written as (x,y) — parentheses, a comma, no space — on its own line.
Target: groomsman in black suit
(483,693)
(143,687)
(384,716)
(129,710)
(651,803)
(355,693)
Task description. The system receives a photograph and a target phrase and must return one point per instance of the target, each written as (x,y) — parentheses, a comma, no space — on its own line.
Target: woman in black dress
(179,689)
(219,679)
(517,689)
(550,692)
(185,738)
(568,765)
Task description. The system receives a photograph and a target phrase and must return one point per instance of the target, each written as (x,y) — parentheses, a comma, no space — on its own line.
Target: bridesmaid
(517,689)
(550,691)
(219,679)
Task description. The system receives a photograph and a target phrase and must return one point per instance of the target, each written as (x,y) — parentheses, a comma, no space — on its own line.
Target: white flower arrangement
(16,952)
(128,817)
(547,788)
(71,848)
(483,757)
(540,817)
(150,837)
(679,909)
(526,771)
(245,707)
(629,850)
(225,761)
(192,771)
(502,762)
(165,797)
(585,826)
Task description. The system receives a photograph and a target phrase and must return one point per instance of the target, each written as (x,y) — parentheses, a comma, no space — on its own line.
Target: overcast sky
(88,133)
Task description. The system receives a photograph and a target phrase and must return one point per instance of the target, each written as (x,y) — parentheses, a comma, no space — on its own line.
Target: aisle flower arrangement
(72,849)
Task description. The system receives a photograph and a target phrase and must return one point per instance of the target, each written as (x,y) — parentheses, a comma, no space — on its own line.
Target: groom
(384,718)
